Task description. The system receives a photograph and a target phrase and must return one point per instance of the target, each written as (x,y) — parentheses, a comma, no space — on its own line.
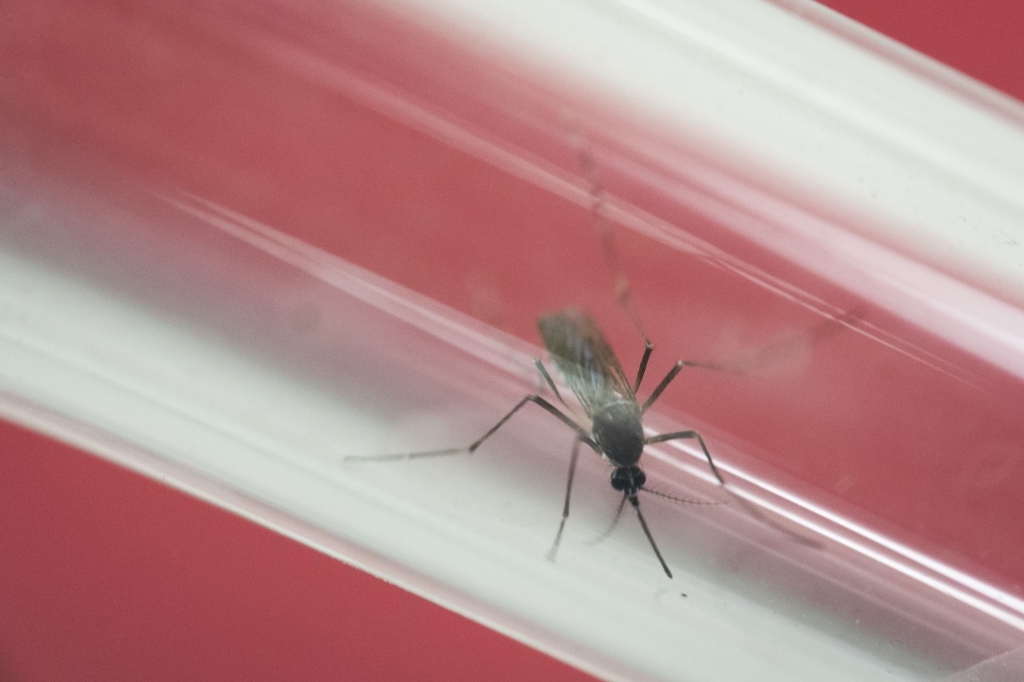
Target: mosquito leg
(663,385)
(772,354)
(580,433)
(547,377)
(615,522)
(402,456)
(568,492)
(643,365)
(678,435)
(672,375)
(604,225)
(636,505)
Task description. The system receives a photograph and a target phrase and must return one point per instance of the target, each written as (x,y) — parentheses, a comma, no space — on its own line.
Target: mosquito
(593,372)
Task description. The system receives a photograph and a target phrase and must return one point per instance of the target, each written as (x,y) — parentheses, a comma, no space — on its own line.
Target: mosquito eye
(639,478)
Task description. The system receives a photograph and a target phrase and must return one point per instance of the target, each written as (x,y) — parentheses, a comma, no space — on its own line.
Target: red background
(108,575)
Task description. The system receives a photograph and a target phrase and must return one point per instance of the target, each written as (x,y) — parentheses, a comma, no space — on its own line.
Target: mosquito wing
(584,358)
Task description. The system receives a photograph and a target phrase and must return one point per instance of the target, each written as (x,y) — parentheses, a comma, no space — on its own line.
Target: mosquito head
(618,431)
(629,479)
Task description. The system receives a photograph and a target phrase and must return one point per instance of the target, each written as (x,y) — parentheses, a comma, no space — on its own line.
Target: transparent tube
(313,233)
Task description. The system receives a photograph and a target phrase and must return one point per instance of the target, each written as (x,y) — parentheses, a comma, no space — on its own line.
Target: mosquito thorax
(618,431)
(629,478)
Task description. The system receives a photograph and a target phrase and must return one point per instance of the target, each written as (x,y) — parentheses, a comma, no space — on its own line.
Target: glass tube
(244,242)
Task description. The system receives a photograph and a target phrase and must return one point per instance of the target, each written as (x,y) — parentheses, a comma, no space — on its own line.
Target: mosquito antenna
(680,500)
(604,225)
(650,538)
(611,526)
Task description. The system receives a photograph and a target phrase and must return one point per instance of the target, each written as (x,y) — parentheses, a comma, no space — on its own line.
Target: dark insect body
(594,374)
